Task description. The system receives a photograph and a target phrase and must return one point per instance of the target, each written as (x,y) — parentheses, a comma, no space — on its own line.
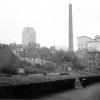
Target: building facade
(28,36)
(94,46)
(82,42)
(87,43)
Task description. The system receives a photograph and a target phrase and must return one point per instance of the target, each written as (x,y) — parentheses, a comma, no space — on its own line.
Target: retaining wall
(88,80)
(36,89)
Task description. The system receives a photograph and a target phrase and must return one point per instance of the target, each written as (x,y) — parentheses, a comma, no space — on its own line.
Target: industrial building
(87,43)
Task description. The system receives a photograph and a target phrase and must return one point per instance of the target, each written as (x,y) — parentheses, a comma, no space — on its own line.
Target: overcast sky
(49,18)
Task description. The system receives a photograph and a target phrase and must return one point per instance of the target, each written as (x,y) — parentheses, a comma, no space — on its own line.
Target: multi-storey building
(87,43)
(83,42)
(28,36)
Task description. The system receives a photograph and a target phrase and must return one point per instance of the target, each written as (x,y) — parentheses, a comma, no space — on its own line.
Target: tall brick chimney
(70,28)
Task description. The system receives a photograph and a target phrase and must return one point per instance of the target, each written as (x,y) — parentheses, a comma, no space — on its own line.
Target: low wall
(86,81)
(36,89)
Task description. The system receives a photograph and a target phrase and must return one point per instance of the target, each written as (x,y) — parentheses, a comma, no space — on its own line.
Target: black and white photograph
(49,50)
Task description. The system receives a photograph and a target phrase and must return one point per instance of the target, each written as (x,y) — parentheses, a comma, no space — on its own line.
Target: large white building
(94,46)
(87,43)
(83,42)
(28,36)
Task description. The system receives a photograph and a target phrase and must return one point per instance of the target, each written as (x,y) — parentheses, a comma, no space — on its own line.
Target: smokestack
(70,28)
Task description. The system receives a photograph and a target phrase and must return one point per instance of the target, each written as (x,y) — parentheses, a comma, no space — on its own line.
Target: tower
(28,36)
(70,28)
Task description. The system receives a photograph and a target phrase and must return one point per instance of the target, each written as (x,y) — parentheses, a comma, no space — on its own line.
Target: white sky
(50,20)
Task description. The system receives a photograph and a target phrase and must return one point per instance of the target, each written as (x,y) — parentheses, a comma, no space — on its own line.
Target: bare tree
(93,60)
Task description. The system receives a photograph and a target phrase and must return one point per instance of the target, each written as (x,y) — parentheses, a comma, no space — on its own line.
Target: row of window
(80,45)
(90,49)
(81,48)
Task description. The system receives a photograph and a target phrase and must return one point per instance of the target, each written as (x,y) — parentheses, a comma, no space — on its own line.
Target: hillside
(8,60)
